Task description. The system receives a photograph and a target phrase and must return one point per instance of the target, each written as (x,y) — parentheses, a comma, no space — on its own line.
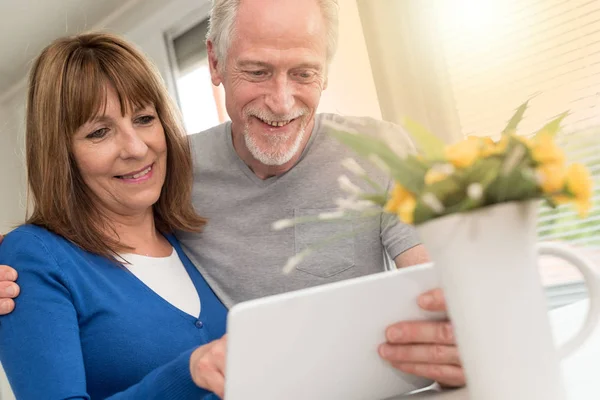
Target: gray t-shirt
(240,255)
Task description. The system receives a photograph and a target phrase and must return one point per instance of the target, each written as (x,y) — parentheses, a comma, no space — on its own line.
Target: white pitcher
(487,263)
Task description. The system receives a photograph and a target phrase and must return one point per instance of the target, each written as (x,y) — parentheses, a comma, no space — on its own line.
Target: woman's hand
(207,366)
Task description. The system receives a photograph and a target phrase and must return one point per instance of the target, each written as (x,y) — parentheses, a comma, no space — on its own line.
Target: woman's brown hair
(67,88)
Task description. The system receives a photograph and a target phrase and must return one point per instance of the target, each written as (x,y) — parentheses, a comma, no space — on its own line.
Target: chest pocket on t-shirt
(333,257)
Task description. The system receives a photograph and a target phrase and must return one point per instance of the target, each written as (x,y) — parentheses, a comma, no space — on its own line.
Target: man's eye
(257,73)
(305,75)
(98,134)
(145,120)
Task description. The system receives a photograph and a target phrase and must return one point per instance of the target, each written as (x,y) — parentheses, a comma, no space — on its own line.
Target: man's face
(274,75)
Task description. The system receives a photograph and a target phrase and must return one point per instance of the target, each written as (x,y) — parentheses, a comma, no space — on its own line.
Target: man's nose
(280,98)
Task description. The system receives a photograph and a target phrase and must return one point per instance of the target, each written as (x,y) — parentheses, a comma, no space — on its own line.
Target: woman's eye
(98,134)
(145,120)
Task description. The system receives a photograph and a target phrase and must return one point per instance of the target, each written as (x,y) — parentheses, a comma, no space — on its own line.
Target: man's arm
(414,256)
(424,348)
(8,288)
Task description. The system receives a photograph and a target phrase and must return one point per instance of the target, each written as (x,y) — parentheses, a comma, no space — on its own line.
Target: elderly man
(274,160)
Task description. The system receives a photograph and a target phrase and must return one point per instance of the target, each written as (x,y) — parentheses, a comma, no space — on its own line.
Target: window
(501,53)
(201,103)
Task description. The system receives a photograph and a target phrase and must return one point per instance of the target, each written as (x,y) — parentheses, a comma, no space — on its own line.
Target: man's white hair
(221,27)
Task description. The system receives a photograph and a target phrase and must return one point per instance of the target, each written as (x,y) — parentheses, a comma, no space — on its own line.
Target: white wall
(12,170)
(351,88)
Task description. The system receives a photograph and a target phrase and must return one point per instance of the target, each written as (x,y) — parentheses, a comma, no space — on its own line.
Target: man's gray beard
(275,157)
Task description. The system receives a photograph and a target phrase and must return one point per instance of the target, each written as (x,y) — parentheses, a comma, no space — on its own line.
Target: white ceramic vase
(487,263)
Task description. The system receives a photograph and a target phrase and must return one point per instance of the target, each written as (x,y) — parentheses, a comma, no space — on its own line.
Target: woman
(111,306)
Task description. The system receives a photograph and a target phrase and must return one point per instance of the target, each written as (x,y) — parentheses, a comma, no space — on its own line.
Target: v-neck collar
(246,169)
(192,272)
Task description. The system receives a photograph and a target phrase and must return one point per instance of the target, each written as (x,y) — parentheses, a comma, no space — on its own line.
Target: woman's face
(122,158)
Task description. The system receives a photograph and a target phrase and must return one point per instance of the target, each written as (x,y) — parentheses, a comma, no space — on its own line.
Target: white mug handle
(591,277)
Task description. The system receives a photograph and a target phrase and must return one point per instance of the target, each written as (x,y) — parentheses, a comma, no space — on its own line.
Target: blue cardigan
(86,328)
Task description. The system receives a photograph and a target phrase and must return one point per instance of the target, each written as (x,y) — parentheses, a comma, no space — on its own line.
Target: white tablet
(321,342)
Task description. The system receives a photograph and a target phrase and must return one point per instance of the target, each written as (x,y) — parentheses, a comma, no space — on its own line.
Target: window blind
(500,53)
(190,48)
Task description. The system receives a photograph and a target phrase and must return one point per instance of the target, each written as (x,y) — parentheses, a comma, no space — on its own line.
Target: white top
(168,278)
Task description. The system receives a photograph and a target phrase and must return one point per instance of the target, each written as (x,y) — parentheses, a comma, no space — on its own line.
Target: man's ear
(213,63)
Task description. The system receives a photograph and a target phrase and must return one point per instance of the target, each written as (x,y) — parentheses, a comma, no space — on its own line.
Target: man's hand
(425,348)
(8,289)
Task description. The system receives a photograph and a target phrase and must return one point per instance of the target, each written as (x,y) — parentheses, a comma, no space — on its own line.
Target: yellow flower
(438,173)
(402,203)
(434,176)
(579,180)
(552,178)
(489,147)
(583,208)
(502,144)
(406,211)
(392,204)
(544,150)
(579,184)
(464,153)
(561,199)
(487,141)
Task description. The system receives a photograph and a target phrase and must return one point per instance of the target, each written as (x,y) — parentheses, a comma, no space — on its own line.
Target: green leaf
(406,171)
(379,199)
(513,123)
(483,171)
(372,183)
(468,204)
(449,191)
(550,202)
(429,144)
(422,213)
(517,185)
(552,127)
